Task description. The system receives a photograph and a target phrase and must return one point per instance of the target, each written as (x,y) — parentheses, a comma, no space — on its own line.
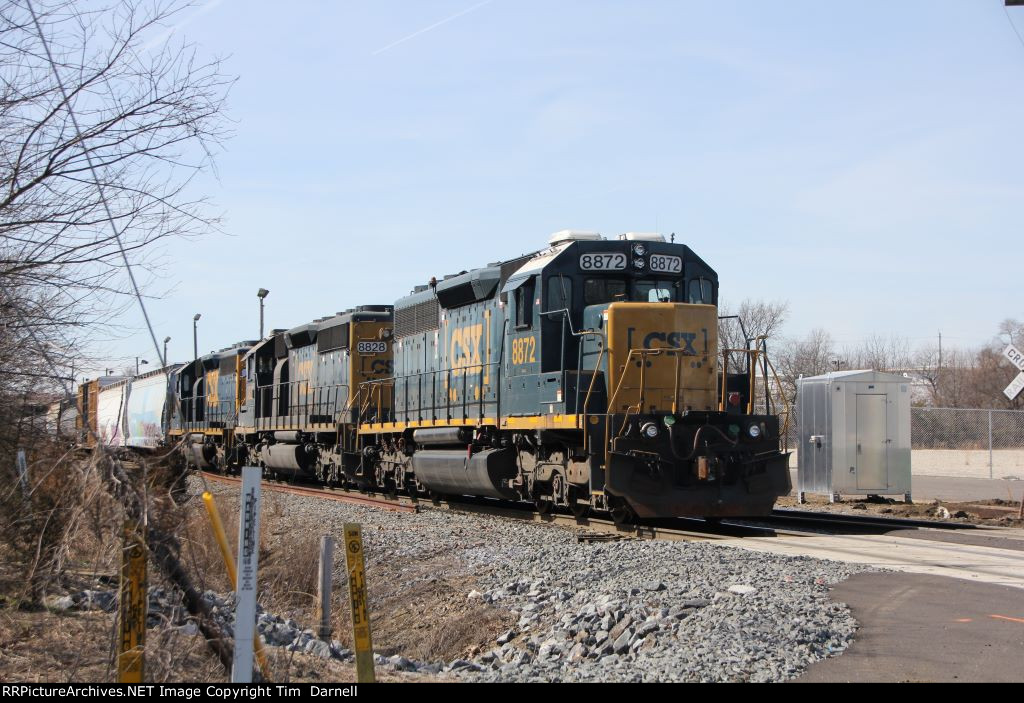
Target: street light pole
(137,362)
(195,337)
(262,294)
(166,340)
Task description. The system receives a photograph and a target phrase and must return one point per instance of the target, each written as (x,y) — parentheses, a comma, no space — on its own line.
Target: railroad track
(592,529)
(782,522)
(399,505)
(809,516)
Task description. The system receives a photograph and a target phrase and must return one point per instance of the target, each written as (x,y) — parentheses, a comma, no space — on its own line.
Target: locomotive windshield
(597,291)
(603,290)
(657,291)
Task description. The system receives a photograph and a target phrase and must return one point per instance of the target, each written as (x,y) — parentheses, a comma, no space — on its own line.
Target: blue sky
(859,160)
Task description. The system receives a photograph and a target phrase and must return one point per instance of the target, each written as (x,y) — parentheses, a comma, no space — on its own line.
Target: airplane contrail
(433,26)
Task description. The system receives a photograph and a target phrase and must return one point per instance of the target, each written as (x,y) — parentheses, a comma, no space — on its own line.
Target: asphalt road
(921,628)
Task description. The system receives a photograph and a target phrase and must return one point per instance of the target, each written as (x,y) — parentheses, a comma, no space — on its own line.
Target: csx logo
(212,392)
(464,349)
(382,366)
(667,340)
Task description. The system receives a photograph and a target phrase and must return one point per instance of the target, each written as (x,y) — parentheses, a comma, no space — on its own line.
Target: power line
(1015,30)
(96,179)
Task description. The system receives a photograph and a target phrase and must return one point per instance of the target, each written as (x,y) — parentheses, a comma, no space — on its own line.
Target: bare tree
(891,354)
(1011,332)
(102,134)
(810,356)
(758,318)
(104,123)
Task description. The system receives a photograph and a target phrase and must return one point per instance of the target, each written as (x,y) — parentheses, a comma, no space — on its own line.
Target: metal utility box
(854,434)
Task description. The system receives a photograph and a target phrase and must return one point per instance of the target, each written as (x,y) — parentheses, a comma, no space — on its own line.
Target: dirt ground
(995,512)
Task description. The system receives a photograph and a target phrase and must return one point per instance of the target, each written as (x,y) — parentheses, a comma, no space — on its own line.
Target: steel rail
(398,505)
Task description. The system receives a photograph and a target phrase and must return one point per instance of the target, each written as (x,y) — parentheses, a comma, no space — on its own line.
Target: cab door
(522,351)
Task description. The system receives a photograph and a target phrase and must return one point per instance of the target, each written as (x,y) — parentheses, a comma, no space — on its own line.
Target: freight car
(586,375)
(126,412)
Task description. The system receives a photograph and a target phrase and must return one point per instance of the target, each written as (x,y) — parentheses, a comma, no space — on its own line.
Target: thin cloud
(446,20)
(164,36)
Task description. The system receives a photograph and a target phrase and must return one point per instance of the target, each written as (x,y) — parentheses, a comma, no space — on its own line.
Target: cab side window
(524,305)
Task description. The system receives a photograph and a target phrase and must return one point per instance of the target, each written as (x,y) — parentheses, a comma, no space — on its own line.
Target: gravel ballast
(629,610)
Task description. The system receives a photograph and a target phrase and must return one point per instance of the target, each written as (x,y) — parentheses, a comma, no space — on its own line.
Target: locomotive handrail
(756,355)
(297,412)
(643,353)
(463,405)
(373,389)
(586,399)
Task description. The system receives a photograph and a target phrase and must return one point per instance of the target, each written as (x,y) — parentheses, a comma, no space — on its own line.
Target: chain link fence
(970,443)
(955,442)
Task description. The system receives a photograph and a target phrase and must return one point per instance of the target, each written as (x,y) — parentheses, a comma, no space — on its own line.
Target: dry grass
(77,546)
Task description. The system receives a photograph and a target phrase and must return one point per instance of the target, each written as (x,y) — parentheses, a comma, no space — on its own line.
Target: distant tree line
(951,377)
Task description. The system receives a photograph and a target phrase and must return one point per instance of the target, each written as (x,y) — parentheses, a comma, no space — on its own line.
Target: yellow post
(229,566)
(357,597)
(133,603)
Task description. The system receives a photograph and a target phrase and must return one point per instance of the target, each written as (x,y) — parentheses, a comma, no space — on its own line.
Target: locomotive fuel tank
(457,472)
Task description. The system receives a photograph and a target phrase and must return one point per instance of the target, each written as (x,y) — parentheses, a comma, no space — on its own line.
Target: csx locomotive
(586,375)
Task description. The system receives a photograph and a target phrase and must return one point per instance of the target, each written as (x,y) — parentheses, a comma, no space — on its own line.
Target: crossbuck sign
(1017,359)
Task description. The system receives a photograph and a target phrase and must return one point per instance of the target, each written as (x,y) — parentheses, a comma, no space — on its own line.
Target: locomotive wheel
(544,507)
(621,513)
(579,510)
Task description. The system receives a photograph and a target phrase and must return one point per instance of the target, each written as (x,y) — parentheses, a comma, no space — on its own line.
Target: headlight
(754,431)
(649,430)
(639,249)
(639,263)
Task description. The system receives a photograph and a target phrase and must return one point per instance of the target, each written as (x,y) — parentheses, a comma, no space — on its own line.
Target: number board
(372,347)
(661,263)
(603,262)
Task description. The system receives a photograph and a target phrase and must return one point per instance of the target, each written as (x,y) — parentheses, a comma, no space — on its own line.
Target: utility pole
(262,294)
(195,336)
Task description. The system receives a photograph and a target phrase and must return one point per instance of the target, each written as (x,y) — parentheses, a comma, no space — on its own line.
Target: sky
(861,161)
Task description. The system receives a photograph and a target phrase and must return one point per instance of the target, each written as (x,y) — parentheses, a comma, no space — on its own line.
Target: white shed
(854,434)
